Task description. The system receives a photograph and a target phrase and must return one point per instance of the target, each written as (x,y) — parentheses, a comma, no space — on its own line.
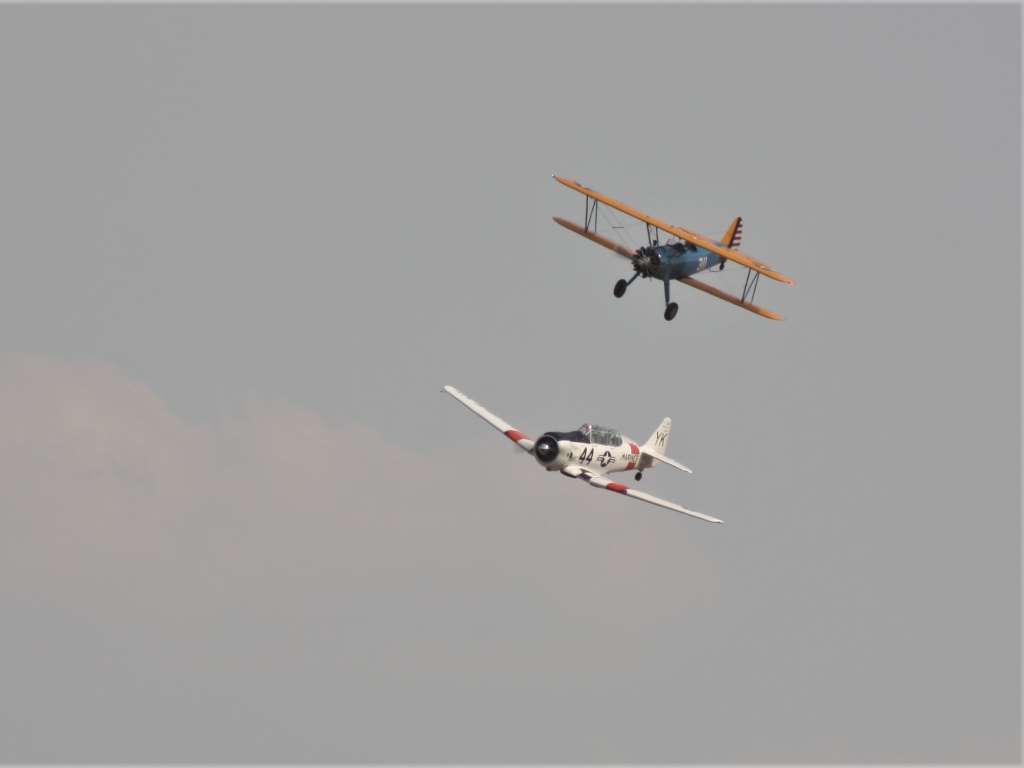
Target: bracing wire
(618,229)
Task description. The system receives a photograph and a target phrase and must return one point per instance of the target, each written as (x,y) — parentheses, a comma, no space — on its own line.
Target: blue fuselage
(682,260)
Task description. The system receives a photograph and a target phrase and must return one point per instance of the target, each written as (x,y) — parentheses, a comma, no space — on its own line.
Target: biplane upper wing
(680,232)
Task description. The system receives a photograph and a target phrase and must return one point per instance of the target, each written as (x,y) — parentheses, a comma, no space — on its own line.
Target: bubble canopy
(590,433)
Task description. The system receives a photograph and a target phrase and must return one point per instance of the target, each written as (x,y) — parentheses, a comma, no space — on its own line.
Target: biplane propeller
(690,254)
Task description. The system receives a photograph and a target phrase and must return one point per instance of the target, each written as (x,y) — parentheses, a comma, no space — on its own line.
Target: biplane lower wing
(611,245)
(683,234)
(735,300)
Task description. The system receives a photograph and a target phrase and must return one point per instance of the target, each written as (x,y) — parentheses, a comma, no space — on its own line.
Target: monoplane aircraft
(684,255)
(591,452)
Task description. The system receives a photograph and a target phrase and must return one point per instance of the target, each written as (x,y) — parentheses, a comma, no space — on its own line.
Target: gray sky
(245,247)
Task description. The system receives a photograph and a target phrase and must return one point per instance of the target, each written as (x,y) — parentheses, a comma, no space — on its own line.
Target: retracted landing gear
(622,285)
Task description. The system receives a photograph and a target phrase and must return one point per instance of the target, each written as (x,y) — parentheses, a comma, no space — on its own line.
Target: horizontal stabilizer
(665,459)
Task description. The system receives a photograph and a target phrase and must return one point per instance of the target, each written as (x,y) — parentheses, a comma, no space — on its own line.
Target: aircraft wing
(710,289)
(611,245)
(499,424)
(600,481)
(665,460)
(683,234)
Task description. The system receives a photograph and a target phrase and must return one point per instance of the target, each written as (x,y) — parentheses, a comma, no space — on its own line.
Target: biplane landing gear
(638,476)
(622,285)
(670,306)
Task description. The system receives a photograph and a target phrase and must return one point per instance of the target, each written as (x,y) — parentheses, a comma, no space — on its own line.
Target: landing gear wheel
(620,289)
(638,476)
(670,310)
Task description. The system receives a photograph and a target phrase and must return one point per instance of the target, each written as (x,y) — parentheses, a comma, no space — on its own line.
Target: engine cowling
(646,259)
(550,452)
(546,449)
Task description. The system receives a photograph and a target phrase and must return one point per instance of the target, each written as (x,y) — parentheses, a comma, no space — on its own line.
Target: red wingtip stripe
(617,487)
(515,435)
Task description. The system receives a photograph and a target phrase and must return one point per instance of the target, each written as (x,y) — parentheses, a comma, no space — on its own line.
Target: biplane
(590,453)
(680,257)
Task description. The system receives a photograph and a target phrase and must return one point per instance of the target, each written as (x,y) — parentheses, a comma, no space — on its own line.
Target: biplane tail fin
(733,235)
(658,441)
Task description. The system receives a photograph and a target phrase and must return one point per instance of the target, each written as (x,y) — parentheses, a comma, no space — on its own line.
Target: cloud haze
(142,546)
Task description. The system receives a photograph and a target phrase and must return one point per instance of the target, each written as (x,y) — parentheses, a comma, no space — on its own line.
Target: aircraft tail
(731,238)
(658,441)
(733,235)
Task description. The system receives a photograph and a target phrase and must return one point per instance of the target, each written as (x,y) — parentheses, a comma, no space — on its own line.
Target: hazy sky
(243,250)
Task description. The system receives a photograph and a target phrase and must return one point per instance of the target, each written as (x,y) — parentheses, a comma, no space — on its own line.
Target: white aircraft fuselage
(555,452)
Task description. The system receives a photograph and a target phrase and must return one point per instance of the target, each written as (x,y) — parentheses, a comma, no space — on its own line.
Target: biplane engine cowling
(646,259)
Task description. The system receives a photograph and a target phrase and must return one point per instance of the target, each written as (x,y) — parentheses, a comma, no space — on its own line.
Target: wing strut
(591,214)
(736,301)
(750,286)
(652,240)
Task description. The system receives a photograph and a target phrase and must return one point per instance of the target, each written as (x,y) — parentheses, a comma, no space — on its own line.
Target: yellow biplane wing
(593,237)
(683,234)
(735,300)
